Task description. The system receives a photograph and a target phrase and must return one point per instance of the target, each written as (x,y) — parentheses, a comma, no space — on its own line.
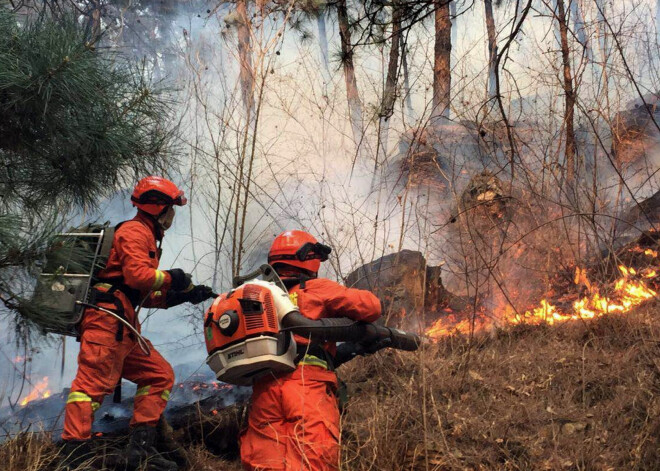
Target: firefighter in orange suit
(293,422)
(109,350)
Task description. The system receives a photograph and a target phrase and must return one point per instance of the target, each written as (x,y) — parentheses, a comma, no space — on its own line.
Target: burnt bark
(442,61)
(569,94)
(406,286)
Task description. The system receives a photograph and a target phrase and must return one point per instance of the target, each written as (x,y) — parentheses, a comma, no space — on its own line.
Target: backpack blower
(249,330)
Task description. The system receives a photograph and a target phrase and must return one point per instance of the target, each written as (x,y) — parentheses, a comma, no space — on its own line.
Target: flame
(628,291)
(39,391)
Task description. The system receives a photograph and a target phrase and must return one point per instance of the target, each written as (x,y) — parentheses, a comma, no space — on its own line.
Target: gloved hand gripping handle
(346,330)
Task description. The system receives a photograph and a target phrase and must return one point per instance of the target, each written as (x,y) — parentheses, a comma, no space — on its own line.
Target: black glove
(180,279)
(195,296)
(199,294)
(174,298)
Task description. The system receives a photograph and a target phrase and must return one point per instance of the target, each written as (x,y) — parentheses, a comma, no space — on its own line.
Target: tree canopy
(77,121)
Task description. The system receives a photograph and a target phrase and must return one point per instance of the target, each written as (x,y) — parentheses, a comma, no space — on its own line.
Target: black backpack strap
(116,397)
(109,297)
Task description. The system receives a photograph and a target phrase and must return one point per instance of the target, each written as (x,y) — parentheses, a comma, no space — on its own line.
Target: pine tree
(77,122)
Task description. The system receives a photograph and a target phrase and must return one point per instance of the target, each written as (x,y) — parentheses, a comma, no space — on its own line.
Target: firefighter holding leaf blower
(111,347)
(293,422)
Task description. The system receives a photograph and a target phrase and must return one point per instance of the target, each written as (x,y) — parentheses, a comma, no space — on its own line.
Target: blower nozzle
(347,330)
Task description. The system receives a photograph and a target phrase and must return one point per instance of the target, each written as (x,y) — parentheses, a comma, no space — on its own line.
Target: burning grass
(630,286)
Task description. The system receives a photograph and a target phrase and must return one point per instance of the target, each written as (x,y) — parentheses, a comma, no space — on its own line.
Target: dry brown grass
(27,452)
(581,396)
(202,460)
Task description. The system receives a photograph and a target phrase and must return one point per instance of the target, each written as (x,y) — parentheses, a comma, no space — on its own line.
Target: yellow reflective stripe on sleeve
(311,360)
(103,285)
(160,279)
(294,298)
(77,396)
(143,391)
(158,293)
(166,395)
(95,406)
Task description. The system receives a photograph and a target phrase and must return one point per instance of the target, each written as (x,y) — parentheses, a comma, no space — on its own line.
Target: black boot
(75,454)
(167,445)
(141,451)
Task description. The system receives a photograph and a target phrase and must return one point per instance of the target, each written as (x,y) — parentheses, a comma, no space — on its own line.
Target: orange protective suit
(109,352)
(293,422)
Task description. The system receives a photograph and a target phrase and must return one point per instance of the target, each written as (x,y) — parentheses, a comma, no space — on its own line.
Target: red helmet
(154,194)
(298,249)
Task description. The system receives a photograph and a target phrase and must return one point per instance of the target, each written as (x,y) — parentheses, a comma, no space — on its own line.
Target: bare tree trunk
(657,21)
(323,48)
(579,26)
(569,94)
(246,75)
(492,48)
(454,28)
(410,111)
(442,61)
(605,48)
(94,21)
(247,80)
(352,92)
(389,93)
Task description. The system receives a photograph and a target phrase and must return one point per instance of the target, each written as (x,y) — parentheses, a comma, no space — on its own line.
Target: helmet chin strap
(293,276)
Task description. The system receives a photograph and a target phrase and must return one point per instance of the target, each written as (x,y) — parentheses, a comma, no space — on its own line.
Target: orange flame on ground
(39,391)
(630,290)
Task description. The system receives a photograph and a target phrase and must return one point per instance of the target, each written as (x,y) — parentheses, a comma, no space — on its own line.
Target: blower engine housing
(242,332)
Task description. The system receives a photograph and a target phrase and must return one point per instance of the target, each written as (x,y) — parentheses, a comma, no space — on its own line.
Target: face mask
(165,220)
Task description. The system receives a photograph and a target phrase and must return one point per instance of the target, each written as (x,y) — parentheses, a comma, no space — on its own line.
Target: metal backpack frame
(65,290)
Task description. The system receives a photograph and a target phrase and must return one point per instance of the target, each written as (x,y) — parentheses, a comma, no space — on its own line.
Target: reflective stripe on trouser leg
(155,378)
(79,416)
(149,404)
(143,391)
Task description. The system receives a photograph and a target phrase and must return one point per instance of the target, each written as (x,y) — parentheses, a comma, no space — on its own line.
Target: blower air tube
(346,330)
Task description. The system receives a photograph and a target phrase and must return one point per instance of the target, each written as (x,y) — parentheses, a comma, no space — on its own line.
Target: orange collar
(150,223)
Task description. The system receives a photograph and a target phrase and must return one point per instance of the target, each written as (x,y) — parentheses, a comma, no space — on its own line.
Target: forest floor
(578,396)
